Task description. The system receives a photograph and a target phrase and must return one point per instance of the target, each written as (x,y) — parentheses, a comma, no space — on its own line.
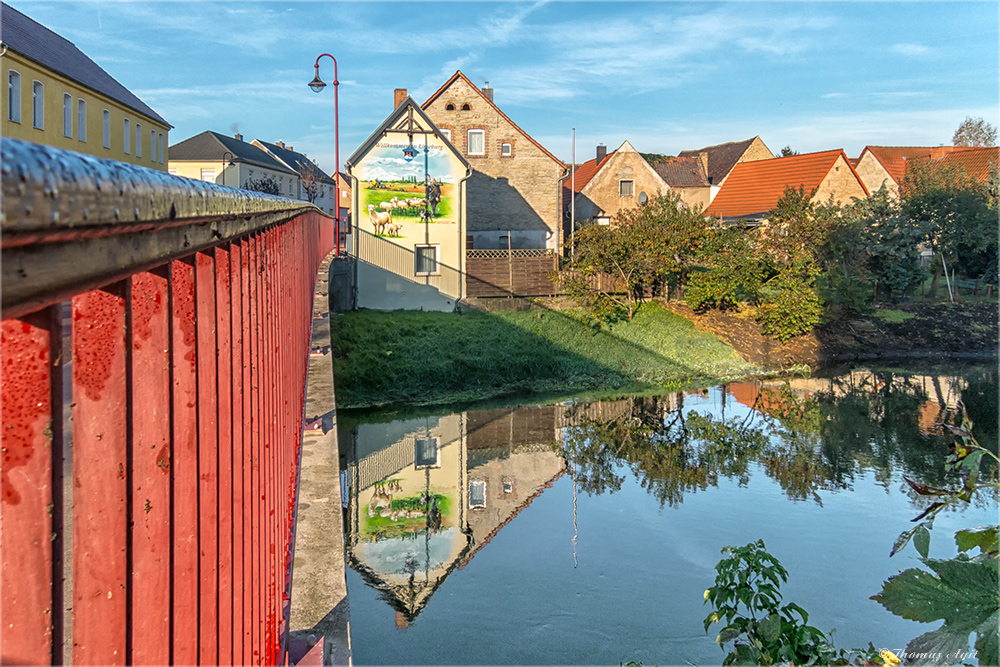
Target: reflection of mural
(393,191)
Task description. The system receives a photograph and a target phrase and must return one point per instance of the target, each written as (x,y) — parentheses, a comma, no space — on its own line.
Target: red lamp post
(317,86)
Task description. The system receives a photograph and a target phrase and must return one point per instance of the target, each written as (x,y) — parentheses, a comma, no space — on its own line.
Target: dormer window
(466,107)
(449,107)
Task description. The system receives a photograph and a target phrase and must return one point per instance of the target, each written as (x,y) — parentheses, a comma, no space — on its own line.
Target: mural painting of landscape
(555,534)
(394,191)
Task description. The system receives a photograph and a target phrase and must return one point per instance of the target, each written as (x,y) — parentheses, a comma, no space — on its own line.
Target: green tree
(974,132)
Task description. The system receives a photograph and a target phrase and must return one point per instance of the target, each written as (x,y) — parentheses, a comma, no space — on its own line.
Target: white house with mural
(409,208)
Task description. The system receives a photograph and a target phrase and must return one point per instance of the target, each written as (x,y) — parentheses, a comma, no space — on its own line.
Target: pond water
(586,533)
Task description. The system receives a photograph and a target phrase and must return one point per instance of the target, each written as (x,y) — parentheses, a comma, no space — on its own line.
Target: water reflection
(427,494)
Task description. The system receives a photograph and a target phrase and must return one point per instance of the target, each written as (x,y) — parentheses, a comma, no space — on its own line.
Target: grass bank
(422,358)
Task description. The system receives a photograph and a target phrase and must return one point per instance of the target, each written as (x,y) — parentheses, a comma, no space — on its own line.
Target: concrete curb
(319,606)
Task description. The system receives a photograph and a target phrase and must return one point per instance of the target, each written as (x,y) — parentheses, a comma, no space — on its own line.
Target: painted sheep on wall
(397,188)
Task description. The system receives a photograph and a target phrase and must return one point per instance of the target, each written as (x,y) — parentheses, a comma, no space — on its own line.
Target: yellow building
(56,95)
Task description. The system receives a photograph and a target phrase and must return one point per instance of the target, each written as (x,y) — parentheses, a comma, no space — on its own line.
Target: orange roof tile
(458,75)
(977,161)
(584,174)
(755,187)
(893,158)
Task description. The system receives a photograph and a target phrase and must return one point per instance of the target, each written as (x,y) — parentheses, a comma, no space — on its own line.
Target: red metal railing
(150,471)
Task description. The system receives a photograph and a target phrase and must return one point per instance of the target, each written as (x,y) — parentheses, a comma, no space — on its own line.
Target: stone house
(886,165)
(719,160)
(514,192)
(753,188)
(977,161)
(613,182)
(217,158)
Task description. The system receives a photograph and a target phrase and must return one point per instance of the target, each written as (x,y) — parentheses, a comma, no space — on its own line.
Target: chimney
(938,152)
(704,160)
(279,144)
(399,96)
(602,152)
(239,137)
(487,91)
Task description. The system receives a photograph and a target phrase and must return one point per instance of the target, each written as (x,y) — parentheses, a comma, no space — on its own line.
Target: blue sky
(666,76)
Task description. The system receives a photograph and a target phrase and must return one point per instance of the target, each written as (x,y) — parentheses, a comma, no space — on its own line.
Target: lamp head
(317,84)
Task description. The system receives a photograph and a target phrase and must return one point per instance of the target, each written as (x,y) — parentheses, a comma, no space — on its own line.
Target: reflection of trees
(865,422)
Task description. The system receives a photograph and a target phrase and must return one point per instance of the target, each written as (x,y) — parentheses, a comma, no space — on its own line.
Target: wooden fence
(498,273)
(151,439)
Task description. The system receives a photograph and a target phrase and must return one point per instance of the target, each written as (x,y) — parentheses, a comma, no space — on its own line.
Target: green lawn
(423,358)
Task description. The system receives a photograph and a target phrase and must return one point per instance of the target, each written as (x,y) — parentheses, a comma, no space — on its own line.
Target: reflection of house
(719,160)
(216,158)
(514,191)
(311,177)
(56,95)
(886,165)
(427,493)
(753,188)
(409,215)
(613,182)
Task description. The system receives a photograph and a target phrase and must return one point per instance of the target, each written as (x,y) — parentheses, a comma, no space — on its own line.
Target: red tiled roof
(977,161)
(682,172)
(584,174)
(458,75)
(893,158)
(755,187)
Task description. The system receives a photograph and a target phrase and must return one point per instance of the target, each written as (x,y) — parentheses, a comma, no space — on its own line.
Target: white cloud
(911,49)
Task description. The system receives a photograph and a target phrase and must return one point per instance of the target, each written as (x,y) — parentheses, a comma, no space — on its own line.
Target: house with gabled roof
(225,160)
(720,159)
(754,188)
(613,182)
(56,95)
(886,165)
(409,211)
(977,161)
(688,178)
(315,185)
(514,193)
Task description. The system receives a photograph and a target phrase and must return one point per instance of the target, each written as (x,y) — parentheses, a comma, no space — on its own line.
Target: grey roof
(721,158)
(211,146)
(682,172)
(295,161)
(36,42)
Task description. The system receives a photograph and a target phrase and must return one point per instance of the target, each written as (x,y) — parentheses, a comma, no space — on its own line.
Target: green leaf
(922,540)
(728,635)
(963,592)
(770,627)
(901,541)
(984,537)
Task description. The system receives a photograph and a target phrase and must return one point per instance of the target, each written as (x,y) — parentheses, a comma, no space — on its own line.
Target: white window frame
(107,128)
(479,483)
(38,104)
(437,259)
(138,139)
(126,137)
(81,120)
(482,142)
(13,96)
(447,134)
(152,145)
(420,465)
(160,146)
(209,173)
(506,149)
(631,188)
(67,115)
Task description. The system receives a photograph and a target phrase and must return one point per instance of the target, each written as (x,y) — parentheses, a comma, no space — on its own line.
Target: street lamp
(317,86)
(224,165)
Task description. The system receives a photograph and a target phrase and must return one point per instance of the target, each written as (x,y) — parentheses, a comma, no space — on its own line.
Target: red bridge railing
(155,341)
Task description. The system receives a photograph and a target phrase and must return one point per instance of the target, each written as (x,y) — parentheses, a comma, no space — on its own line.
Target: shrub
(794,308)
